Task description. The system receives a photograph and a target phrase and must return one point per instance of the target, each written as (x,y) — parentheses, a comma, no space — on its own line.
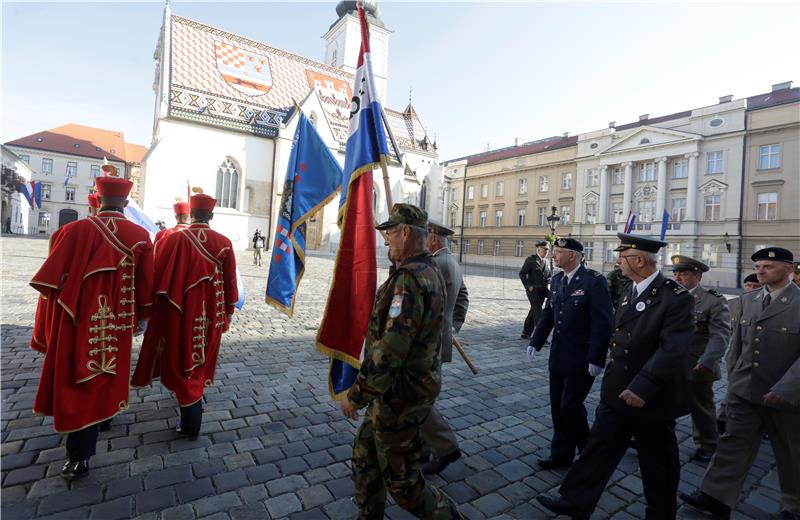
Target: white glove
(595,370)
(531,353)
(141,327)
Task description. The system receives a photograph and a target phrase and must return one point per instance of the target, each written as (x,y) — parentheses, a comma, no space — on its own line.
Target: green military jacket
(712,333)
(401,372)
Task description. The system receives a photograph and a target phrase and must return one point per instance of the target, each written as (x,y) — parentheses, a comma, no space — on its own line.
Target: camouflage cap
(405,214)
(439,229)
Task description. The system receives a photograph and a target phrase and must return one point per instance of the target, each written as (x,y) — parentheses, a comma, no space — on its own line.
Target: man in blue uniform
(534,276)
(578,311)
(644,390)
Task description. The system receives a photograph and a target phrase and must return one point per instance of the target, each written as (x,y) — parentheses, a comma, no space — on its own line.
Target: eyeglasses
(625,256)
(393,230)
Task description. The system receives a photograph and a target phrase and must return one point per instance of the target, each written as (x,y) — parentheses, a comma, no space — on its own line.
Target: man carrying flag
(341,334)
(312,178)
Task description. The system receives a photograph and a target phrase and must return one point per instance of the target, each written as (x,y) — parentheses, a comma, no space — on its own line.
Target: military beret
(778,254)
(639,242)
(686,263)
(439,229)
(751,278)
(569,243)
(541,243)
(405,214)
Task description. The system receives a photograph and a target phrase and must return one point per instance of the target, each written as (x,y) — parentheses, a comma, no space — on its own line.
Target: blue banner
(312,178)
(664,223)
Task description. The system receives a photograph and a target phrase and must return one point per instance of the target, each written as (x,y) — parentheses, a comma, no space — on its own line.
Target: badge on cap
(771,254)
(397,303)
(561,242)
(640,306)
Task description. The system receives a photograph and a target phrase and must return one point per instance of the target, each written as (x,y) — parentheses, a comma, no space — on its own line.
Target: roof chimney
(786,85)
(566,134)
(612,124)
(725,99)
(517,141)
(644,117)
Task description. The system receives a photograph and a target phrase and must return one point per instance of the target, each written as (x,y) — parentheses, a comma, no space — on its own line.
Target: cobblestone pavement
(273,444)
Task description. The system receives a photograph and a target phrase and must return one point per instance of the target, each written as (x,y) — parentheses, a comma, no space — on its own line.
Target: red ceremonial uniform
(164,233)
(195,289)
(95,285)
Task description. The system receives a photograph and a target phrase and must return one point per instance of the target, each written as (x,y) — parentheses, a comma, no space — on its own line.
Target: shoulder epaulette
(675,286)
(594,273)
(714,292)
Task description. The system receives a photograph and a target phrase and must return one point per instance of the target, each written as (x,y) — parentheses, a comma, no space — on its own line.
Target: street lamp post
(552,221)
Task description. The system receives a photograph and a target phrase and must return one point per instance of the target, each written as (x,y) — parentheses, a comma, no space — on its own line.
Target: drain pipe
(463,202)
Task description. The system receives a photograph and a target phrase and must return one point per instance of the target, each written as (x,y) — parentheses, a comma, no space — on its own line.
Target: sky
(482,73)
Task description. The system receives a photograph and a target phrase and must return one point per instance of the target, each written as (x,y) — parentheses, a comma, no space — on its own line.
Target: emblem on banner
(246,71)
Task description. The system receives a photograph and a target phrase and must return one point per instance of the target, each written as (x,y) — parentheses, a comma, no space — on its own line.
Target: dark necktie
(765,302)
(635,293)
(564,287)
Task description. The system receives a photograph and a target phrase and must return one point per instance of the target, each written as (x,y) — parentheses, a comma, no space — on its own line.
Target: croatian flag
(630,222)
(352,293)
(34,195)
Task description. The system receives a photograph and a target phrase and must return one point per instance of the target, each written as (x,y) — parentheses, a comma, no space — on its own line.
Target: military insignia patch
(578,292)
(561,242)
(640,306)
(397,304)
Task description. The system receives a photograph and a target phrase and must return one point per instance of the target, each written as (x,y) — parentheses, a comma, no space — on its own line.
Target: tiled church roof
(83,141)
(223,79)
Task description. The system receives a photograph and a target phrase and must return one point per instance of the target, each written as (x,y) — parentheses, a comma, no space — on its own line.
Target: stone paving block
(248,512)
(250,444)
(238,460)
(314,514)
(314,496)
(208,468)
(14,494)
(69,500)
(213,504)
(182,512)
(168,476)
(342,487)
(154,500)
(268,455)
(262,473)
(286,485)
(293,466)
(486,481)
(230,480)
(342,508)
(253,494)
(460,492)
(283,505)
(118,509)
(22,475)
(123,486)
(194,489)
(514,470)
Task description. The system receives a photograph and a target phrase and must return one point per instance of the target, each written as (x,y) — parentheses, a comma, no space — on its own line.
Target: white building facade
(225,120)
(16,211)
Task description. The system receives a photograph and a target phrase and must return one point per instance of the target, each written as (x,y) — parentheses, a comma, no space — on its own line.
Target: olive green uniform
(398,382)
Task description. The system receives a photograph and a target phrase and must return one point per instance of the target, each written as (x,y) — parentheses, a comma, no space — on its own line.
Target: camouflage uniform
(616,284)
(399,381)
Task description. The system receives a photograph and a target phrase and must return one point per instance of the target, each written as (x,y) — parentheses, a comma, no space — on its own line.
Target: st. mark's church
(224,122)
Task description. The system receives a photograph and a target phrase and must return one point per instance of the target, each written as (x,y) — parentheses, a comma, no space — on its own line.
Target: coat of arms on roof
(246,71)
(334,95)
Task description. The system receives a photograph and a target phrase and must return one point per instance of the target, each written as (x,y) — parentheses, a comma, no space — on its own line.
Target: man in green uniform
(400,377)
(616,284)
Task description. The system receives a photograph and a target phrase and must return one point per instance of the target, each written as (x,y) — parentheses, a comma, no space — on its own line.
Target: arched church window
(423,195)
(227,184)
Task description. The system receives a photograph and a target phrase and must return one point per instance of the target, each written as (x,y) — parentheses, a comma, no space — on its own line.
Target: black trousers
(570,427)
(536,299)
(82,444)
(658,460)
(192,418)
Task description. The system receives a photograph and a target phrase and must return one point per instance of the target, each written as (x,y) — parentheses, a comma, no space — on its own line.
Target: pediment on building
(591,197)
(713,187)
(645,192)
(647,137)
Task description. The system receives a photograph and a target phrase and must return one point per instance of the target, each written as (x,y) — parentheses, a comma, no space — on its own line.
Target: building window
(565,210)
(72,169)
(498,217)
(44,219)
(712,207)
(468,219)
(714,162)
(616,212)
(452,219)
(647,172)
(647,209)
(45,191)
(496,248)
(619,176)
(482,219)
(710,255)
(542,217)
(767,206)
(467,244)
(543,180)
(47,166)
(498,189)
(94,171)
(680,169)
(588,251)
(521,217)
(484,191)
(480,247)
(454,194)
(678,210)
(592,178)
(69,194)
(227,184)
(519,248)
(25,158)
(611,255)
(769,156)
(566,181)
(423,195)
(523,186)
(470,192)
(591,213)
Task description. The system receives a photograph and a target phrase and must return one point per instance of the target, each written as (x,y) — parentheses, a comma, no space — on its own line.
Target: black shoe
(438,464)
(525,336)
(74,470)
(702,455)
(548,464)
(707,504)
(187,435)
(561,507)
(104,426)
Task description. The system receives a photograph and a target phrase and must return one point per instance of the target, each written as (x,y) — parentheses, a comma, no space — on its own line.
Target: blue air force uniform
(578,312)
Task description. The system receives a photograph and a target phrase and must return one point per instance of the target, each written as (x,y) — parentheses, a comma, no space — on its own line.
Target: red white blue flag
(352,293)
